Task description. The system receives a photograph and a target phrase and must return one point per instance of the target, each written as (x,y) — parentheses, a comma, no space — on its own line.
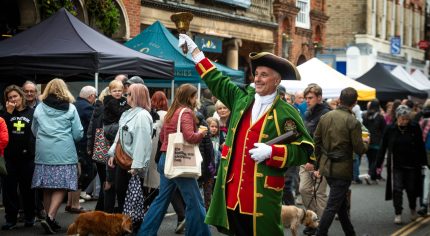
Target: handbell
(182,21)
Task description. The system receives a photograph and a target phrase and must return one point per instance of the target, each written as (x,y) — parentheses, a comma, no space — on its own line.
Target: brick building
(360,33)
(294,29)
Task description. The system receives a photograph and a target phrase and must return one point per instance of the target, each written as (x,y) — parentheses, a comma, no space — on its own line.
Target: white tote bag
(183,159)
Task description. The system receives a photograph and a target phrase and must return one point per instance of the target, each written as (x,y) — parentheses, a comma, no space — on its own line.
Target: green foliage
(104,14)
(49,7)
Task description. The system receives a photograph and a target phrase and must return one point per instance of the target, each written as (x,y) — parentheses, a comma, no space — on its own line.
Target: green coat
(268,198)
(338,132)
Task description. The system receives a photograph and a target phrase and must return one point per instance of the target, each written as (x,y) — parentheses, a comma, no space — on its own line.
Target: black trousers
(337,204)
(406,179)
(122,177)
(371,158)
(240,224)
(101,171)
(20,174)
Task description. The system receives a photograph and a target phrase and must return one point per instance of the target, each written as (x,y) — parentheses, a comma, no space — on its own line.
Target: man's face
(299,98)
(266,80)
(30,92)
(312,100)
(92,98)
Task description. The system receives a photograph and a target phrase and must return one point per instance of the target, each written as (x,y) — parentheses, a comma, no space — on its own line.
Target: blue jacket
(56,132)
(135,135)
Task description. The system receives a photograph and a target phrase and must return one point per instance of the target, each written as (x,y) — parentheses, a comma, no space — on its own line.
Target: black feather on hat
(284,67)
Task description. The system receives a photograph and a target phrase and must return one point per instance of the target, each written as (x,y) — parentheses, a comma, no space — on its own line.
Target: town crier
(250,180)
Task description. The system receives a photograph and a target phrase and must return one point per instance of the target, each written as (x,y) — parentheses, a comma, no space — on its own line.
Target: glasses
(29,91)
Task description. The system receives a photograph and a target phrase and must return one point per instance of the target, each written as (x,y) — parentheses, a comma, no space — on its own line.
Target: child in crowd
(213,124)
(114,105)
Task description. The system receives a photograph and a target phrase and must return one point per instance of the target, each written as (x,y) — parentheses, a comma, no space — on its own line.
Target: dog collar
(303,217)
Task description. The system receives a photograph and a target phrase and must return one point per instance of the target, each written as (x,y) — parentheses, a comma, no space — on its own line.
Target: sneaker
(398,219)
(85,196)
(180,227)
(414,214)
(8,226)
(48,229)
(50,226)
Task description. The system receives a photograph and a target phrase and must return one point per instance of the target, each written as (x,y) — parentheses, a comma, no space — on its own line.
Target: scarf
(261,104)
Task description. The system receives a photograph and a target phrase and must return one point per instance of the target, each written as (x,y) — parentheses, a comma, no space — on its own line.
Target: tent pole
(96,81)
(199,87)
(172,92)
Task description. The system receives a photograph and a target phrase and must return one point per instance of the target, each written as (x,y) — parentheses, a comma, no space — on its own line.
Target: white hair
(86,91)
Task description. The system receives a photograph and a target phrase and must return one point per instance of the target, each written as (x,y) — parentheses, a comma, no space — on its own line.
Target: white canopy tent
(404,76)
(331,81)
(421,77)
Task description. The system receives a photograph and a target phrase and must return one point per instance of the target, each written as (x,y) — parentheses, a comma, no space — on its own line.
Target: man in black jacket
(84,106)
(313,190)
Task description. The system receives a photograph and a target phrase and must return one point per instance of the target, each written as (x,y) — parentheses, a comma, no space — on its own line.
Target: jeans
(337,203)
(195,210)
(356,168)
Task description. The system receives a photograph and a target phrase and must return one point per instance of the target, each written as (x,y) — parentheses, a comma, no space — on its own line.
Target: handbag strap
(178,127)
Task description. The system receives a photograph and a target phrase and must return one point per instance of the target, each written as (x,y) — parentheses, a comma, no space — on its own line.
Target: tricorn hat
(284,67)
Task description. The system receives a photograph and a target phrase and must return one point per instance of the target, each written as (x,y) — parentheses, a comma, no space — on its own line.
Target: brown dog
(99,223)
(292,216)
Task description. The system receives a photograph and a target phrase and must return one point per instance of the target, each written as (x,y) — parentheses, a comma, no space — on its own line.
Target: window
(302,19)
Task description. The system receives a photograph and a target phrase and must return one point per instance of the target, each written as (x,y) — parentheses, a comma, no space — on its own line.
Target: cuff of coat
(204,66)
(279,156)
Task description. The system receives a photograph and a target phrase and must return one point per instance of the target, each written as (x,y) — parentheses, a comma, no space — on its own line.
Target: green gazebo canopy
(156,40)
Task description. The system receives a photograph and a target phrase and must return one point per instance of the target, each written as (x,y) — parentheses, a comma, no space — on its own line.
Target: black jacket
(312,117)
(207,151)
(85,111)
(375,123)
(96,121)
(113,109)
(21,140)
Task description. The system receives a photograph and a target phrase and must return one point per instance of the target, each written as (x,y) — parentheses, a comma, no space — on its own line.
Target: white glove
(191,45)
(261,152)
(183,38)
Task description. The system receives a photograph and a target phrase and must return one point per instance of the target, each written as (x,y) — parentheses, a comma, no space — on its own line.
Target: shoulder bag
(101,147)
(182,158)
(121,157)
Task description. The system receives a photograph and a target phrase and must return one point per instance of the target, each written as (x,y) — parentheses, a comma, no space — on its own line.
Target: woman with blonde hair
(56,126)
(186,98)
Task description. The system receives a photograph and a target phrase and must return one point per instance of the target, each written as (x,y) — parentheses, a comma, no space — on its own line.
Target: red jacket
(188,128)
(4,136)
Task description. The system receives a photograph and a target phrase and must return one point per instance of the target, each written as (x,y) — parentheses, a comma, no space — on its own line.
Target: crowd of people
(50,144)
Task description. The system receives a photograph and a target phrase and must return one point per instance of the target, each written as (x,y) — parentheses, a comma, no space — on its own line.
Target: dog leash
(315,189)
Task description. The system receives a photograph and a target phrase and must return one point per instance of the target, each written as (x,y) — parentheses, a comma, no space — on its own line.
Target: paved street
(371,216)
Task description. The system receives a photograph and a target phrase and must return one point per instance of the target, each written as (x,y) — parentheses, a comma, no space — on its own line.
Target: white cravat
(261,104)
